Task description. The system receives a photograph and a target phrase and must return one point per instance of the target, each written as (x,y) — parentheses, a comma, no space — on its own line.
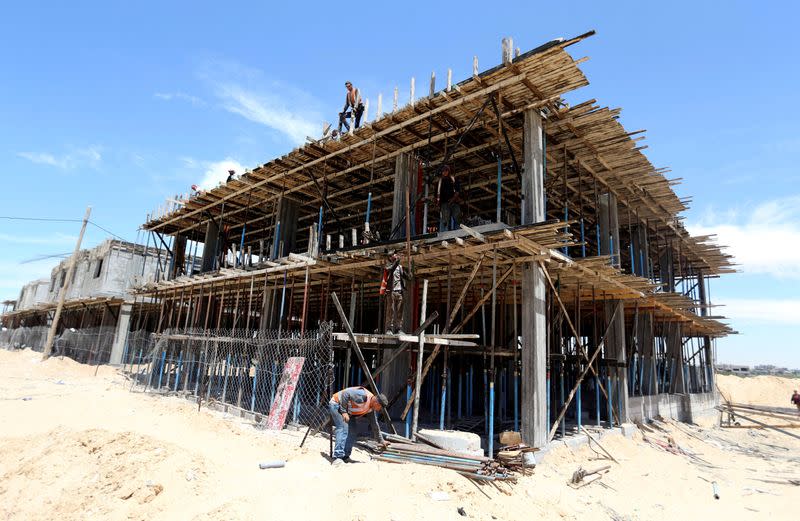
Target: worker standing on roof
(346,407)
(447,195)
(394,282)
(231,173)
(352,101)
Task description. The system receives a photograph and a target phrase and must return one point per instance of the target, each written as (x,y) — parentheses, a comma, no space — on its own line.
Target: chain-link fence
(24,337)
(91,345)
(240,368)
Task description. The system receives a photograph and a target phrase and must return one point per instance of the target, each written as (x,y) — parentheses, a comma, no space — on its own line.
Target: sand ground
(78,446)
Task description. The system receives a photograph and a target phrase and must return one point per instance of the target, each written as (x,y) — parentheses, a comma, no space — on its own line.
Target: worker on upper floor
(353,106)
(346,407)
(448,192)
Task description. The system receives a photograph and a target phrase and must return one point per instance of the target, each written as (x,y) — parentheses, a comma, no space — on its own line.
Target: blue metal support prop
(178,371)
(561,397)
(578,407)
(610,401)
(253,393)
(161,367)
(458,408)
(225,377)
(408,416)
(516,400)
(491,419)
(597,397)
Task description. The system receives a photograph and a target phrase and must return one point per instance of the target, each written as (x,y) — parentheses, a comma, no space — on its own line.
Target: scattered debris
(715,489)
(461,511)
(439,496)
(274,464)
(510,438)
(473,467)
(579,477)
(592,438)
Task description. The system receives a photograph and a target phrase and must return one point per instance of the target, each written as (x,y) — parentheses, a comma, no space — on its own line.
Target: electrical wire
(12,218)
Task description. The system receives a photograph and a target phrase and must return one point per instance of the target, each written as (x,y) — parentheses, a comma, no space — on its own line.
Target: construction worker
(395,282)
(352,101)
(346,407)
(231,173)
(796,400)
(447,195)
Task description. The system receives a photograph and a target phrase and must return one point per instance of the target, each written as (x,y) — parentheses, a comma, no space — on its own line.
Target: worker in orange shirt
(346,407)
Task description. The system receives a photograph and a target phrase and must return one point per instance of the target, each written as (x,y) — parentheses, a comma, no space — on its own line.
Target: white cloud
(89,156)
(767,241)
(14,275)
(217,172)
(777,311)
(276,111)
(249,93)
(169,96)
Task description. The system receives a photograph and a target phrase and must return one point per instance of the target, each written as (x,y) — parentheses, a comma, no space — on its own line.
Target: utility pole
(51,335)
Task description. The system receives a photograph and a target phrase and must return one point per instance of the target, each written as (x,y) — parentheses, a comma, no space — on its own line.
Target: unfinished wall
(108,270)
(33,293)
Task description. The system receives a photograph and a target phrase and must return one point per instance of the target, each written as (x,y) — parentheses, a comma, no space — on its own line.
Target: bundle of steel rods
(473,467)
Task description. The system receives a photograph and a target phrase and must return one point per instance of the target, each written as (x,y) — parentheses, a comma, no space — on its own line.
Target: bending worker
(352,101)
(346,406)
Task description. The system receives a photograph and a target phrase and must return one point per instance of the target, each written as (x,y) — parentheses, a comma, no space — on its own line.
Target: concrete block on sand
(628,429)
(576,441)
(456,441)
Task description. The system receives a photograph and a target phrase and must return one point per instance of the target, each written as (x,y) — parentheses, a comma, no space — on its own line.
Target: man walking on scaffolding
(352,101)
(447,195)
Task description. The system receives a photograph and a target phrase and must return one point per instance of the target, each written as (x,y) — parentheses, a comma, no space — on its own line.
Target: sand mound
(78,446)
(773,391)
(95,474)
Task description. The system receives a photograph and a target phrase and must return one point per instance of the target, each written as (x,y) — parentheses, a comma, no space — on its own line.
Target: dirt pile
(78,446)
(773,391)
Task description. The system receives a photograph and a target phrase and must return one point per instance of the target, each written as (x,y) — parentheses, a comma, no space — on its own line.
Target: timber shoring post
(51,334)
(360,357)
(418,383)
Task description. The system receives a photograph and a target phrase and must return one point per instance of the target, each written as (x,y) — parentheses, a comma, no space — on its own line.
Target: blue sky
(120,106)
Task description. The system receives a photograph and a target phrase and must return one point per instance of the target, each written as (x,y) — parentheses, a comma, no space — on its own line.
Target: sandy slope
(774,391)
(78,446)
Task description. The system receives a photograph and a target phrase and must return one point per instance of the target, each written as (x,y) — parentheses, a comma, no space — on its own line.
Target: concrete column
(533,404)
(395,375)
(286,233)
(701,284)
(404,176)
(675,352)
(641,251)
(121,334)
(210,246)
(615,341)
(667,270)
(178,257)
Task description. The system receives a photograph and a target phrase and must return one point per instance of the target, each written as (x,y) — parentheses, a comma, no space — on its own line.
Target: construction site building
(570,294)
(98,306)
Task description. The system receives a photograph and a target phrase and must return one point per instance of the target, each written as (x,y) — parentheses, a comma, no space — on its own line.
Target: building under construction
(95,324)
(570,294)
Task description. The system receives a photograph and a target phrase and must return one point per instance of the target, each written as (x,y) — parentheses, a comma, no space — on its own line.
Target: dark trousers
(344,115)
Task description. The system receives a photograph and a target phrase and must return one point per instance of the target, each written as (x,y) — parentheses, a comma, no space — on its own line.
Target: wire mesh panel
(240,368)
(88,345)
(24,337)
